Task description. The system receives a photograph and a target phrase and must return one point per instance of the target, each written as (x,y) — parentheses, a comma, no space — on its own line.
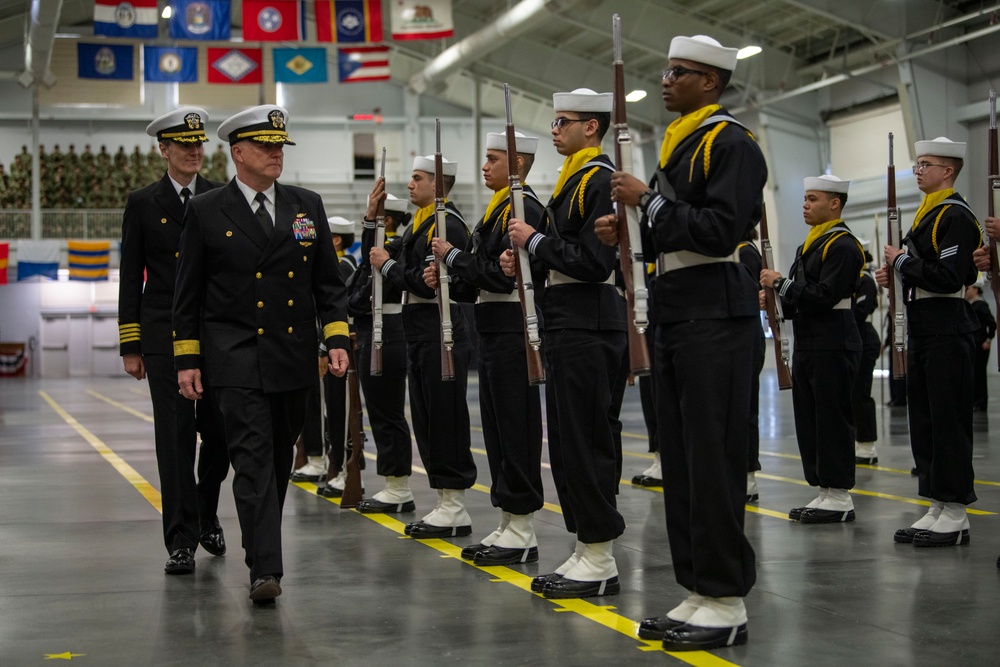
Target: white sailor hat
(264,124)
(703,49)
(826,183)
(941,147)
(340,225)
(497,141)
(583,100)
(185,125)
(395,204)
(426,163)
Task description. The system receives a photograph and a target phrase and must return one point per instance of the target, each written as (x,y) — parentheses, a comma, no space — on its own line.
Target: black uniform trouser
(261,430)
(312,427)
(862,403)
(385,396)
(753,446)
(822,386)
(440,414)
(582,369)
(704,375)
(980,393)
(939,386)
(647,391)
(335,395)
(512,423)
(189,507)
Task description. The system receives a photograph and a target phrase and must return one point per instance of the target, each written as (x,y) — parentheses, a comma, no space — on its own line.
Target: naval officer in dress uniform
(151,232)
(257,266)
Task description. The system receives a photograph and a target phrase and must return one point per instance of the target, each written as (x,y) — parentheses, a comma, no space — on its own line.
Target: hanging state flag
(104,61)
(88,260)
(38,260)
(200,19)
(300,65)
(235,66)
(170,64)
(364,63)
(272,21)
(349,21)
(4,258)
(126,18)
(421,19)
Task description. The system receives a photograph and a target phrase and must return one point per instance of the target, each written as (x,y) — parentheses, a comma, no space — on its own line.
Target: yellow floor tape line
(120,406)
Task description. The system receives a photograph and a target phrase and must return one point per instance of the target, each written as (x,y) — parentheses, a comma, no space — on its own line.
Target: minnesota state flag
(88,260)
(300,65)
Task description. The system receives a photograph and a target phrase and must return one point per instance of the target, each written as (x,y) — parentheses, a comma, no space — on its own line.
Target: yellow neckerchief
(423,214)
(499,197)
(681,128)
(817,232)
(929,203)
(341,253)
(573,164)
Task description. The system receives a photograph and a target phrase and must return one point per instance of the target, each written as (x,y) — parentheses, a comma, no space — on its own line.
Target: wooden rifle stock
(441,231)
(629,242)
(993,202)
(522,267)
(897,307)
(352,485)
(772,302)
(377,285)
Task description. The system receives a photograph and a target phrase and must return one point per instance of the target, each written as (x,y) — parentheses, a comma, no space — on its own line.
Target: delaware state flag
(200,19)
(272,21)
(300,65)
(349,21)
(364,63)
(126,18)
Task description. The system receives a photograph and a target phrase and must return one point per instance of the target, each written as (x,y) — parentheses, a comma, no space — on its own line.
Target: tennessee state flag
(235,65)
(349,21)
(272,21)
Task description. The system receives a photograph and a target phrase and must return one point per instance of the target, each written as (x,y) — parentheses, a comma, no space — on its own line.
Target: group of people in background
(240,275)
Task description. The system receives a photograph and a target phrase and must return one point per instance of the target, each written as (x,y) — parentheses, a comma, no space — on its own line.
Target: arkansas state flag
(272,21)
(235,66)
(364,63)
(349,21)
(126,18)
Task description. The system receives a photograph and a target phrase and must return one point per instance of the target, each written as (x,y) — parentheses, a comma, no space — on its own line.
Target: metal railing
(63,223)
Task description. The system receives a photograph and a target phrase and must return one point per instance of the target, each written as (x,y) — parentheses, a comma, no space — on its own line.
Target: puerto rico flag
(235,66)
(364,63)
(349,21)
(272,21)
(126,18)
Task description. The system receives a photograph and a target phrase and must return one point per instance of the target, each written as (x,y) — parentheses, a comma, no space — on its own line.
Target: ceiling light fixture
(167,12)
(747,51)
(635,96)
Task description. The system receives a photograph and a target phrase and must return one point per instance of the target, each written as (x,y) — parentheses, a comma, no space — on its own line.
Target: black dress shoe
(505,556)
(181,561)
(328,491)
(300,477)
(372,506)
(265,589)
(905,535)
(570,588)
(914,472)
(426,531)
(214,542)
(469,552)
(926,538)
(796,513)
(816,515)
(753,497)
(696,638)
(866,460)
(654,627)
(538,583)
(646,480)
(409,526)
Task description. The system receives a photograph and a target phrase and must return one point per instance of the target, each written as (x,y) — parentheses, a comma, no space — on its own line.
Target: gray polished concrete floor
(81,560)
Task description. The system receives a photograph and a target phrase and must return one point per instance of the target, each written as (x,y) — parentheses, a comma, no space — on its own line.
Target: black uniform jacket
(151,234)
(709,197)
(249,302)
(421,320)
(478,267)
(360,299)
(568,245)
(939,259)
(865,303)
(820,279)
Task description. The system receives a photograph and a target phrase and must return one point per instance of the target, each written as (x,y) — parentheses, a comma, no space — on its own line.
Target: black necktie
(262,216)
(185,197)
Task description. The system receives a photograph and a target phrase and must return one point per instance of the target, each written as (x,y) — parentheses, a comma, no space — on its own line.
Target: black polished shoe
(696,638)
(181,561)
(409,526)
(538,583)
(372,506)
(816,515)
(505,556)
(214,542)
(646,480)
(328,491)
(265,589)
(753,497)
(570,588)
(866,460)
(469,552)
(905,535)
(300,477)
(654,627)
(926,538)
(914,472)
(796,513)
(426,531)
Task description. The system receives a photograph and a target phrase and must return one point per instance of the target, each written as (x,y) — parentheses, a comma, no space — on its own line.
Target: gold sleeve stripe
(336,329)
(131,338)
(183,347)
(128,327)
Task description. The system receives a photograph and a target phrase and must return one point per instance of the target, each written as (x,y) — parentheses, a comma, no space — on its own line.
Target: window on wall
(364,156)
